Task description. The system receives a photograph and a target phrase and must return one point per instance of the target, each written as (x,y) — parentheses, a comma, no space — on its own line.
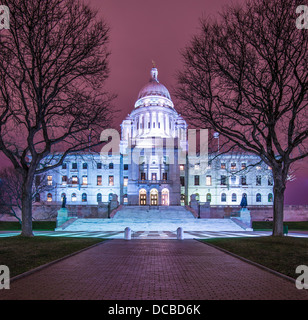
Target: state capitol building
(154,167)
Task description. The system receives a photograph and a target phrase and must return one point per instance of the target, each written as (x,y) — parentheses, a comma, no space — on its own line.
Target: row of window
(85,166)
(153,176)
(224,179)
(84,180)
(223,197)
(84,197)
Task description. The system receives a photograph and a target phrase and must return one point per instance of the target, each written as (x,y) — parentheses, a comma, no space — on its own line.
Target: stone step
(153,225)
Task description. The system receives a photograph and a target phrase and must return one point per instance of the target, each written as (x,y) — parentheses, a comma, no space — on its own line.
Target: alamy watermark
(4,277)
(302,280)
(4,17)
(302,19)
(145,150)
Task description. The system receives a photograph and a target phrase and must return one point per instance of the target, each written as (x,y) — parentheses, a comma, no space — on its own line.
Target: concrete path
(152,270)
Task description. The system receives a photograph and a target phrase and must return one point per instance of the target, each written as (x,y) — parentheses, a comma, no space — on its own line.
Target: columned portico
(151,140)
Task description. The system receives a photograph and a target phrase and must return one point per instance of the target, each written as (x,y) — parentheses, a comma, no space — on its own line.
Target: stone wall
(258,213)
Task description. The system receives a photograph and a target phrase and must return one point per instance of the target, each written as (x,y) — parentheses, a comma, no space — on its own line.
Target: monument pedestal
(62,216)
(246,217)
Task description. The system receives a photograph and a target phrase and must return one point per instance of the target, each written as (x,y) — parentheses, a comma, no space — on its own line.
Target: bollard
(127,233)
(180,233)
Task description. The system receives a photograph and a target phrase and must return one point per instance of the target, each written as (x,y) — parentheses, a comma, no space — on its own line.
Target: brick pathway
(152,270)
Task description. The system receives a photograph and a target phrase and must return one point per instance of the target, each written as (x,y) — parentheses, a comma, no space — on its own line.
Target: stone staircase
(152,219)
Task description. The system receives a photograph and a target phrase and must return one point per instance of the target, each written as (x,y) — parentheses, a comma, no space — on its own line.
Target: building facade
(153,165)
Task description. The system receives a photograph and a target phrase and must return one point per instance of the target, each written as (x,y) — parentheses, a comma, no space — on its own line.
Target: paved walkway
(152,270)
(163,235)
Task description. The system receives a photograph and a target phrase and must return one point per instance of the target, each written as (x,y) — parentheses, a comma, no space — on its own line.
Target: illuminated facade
(154,166)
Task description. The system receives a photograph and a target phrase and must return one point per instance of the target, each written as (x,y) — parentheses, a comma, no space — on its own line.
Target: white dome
(154,89)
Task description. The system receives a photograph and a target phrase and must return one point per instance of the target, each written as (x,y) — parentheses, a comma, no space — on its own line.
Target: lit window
(64,180)
(99,180)
(125,199)
(182,167)
(111,181)
(74,197)
(125,182)
(49,180)
(164,176)
(84,180)
(208,197)
(208,180)
(84,197)
(197,166)
(243,166)
(233,197)
(223,165)
(74,180)
(258,167)
(49,197)
(154,176)
(233,166)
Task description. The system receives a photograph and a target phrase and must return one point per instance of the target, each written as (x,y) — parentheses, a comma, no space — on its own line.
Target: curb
(251,262)
(43,266)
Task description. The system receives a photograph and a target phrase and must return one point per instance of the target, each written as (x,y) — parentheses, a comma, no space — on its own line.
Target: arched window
(99,197)
(258,197)
(84,197)
(74,197)
(233,197)
(223,197)
(208,197)
(49,197)
(270,197)
(110,196)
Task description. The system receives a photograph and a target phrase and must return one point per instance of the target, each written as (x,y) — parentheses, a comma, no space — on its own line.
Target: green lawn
(36,225)
(292,225)
(21,254)
(282,254)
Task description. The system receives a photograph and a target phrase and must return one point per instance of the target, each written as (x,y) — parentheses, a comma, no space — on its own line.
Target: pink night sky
(142,31)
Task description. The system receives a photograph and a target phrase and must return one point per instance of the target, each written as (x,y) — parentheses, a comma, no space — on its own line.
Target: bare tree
(245,75)
(11,191)
(53,67)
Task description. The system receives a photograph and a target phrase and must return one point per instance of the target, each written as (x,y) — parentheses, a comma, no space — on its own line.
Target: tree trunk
(26,202)
(279,189)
